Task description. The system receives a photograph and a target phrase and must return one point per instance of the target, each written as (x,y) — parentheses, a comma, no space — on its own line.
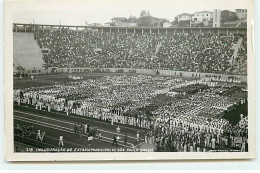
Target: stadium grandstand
(186,49)
(143,89)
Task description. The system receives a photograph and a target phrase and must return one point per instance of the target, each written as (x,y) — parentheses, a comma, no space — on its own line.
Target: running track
(54,126)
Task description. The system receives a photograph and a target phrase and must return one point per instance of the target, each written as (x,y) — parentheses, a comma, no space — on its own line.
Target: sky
(97,11)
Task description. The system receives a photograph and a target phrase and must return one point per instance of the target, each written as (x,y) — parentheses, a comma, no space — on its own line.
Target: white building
(167,24)
(184,17)
(202,16)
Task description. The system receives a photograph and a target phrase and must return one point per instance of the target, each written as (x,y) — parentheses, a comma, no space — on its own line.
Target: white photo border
(10,155)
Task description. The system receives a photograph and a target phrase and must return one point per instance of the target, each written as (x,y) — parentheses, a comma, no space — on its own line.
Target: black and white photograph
(136,77)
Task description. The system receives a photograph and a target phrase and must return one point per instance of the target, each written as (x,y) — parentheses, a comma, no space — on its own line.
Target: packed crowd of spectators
(205,52)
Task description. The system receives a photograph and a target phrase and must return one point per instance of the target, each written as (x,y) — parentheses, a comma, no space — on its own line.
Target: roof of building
(227,11)
(120,18)
(241,9)
(185,14)
(204,12)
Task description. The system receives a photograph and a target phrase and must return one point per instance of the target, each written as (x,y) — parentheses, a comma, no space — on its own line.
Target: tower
(216,18)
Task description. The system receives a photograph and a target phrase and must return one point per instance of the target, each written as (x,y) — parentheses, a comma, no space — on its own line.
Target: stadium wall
(186,74)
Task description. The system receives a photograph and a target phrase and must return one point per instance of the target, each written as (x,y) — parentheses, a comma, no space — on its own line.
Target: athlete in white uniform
(99,137)
(61,141)
(137,136)
(85,128)
(38,136)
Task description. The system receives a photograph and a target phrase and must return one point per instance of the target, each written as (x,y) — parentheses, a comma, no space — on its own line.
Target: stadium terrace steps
(26,52)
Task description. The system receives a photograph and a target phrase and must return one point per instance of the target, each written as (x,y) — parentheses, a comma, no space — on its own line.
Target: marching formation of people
(187,121)
(197,52)
(197,134)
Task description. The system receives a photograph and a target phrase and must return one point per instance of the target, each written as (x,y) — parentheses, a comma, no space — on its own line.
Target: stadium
(129,89)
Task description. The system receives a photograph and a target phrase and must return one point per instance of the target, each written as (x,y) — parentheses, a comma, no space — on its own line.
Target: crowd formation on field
(191,133)
(197,52)
(182,120)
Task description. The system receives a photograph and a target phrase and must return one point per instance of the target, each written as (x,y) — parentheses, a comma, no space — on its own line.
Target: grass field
(49,79)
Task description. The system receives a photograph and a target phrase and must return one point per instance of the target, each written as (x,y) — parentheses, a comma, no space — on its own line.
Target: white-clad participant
(137,136)
(61,141)
(38,135)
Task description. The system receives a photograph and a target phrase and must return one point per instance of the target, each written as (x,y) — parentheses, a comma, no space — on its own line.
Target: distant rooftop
(185,14)
(204,12)
(120,18)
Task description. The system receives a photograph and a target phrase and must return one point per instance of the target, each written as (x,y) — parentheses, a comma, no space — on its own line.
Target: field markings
(66,122)
(26,145)
(69,131)
(36,121)
(31,121)
(139,144)
(37,141)
(42,124)
(89,120)
(55,139)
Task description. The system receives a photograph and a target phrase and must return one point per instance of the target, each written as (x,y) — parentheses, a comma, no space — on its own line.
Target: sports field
(55,124)
(49,79)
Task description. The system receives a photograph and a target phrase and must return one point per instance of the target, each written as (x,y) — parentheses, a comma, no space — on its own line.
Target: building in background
(241,14)
(167,24)
(229,19)
(227,15)
(217,18)
(184,17)
(119,21)
(202,16)
(198,19)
